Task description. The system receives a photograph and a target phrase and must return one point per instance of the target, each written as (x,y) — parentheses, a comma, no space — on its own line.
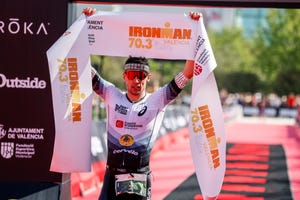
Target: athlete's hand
(89,11)
(93,72)
(188,69)
(195,15)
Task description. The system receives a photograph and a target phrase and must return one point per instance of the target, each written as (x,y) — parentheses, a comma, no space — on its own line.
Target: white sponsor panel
(206,127)
(71,87)
(155,35)
(147,34)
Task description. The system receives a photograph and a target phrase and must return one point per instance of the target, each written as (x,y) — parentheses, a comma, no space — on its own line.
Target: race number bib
(131,183)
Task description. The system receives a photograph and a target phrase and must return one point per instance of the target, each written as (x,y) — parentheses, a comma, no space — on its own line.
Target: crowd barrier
(270,112)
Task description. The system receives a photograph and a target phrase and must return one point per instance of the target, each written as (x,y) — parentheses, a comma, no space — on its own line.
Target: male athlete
(133,121)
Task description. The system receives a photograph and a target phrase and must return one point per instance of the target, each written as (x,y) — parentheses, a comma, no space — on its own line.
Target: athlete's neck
(135,98)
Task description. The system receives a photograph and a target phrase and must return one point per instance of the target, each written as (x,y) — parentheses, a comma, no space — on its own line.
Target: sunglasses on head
(141,75)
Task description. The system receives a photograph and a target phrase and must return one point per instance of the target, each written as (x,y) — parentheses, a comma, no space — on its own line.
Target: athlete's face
(136,82)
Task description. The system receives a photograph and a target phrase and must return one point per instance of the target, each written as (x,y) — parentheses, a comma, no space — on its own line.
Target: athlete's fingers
(195,15)
(89,11)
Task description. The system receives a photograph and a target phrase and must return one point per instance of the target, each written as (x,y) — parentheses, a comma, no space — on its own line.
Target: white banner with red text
(152,35)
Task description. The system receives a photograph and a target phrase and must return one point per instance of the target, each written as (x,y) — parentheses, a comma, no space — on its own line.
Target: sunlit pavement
(262,130)
(172,163)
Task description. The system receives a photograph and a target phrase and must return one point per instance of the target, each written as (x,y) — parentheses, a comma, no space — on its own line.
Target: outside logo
(7,149)
(126,140)
(30,83)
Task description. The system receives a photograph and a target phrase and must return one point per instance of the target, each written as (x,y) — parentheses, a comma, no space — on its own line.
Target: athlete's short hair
(137,63)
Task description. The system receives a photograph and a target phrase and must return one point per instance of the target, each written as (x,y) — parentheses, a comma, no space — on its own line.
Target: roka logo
(197,69)
(17,26)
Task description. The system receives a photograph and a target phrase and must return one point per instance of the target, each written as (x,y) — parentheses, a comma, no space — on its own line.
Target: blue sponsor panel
(250,111)
(270,112)
(288,112)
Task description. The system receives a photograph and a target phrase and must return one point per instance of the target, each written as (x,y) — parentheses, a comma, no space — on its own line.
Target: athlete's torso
(132,128)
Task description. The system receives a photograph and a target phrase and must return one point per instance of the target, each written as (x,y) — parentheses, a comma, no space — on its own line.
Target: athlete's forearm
(95,76)
(188,69)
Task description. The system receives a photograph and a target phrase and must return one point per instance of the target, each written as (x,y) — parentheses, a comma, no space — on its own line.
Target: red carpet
(272,133)
(172,165)
(169,171)
(254,171)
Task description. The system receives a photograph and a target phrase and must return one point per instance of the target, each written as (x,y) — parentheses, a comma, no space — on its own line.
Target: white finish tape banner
(152,35)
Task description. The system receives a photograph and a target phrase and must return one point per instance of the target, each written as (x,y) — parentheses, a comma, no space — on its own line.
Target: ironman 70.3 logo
(143,36)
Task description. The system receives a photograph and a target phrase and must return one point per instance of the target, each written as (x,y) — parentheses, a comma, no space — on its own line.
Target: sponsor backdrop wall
(27,29)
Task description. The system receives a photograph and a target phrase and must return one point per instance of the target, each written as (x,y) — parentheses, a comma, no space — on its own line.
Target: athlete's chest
(134,116)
